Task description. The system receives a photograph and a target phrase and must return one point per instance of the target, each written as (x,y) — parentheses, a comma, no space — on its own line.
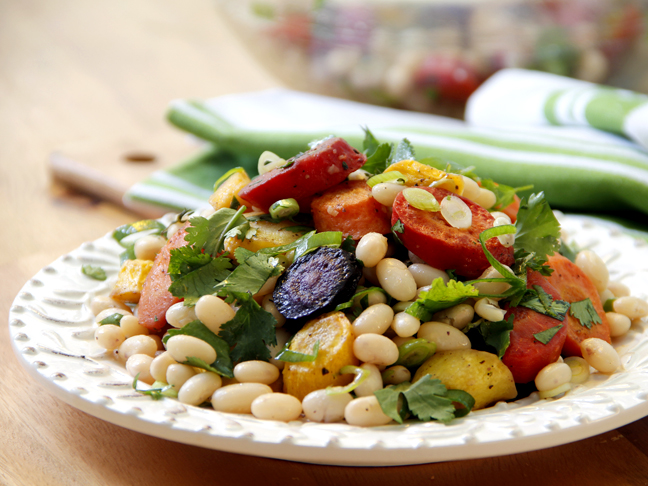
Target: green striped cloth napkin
(579,168)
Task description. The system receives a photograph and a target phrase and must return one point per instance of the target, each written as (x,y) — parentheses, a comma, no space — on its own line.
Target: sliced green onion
(391,176)
(414,353)
(227,175)
(166,389)
(361,376)
(284,208)
(580,369)
(456,212)
(269,161)
(290,356)
(421,199)
(608,306)
(326,238)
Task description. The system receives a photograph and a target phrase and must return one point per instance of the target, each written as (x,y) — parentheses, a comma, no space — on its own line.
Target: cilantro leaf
(251,330)
(251,275)
(547,335)
(585,312)
(201,281)
(504,195)
(377,162)
(114,319)
(223,363)
(209,234)
(427,399)
(369,144)
(398,228)
(185,260)
(360,295)
(568,251)
(540,301)
(538,230)
(524,260)
(439,297)
(96,273)
(403,151)
(497,334)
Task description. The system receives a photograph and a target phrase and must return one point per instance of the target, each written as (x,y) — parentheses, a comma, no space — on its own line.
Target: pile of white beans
(379,331)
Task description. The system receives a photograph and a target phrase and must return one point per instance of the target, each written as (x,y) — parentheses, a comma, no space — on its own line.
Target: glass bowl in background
(431,55)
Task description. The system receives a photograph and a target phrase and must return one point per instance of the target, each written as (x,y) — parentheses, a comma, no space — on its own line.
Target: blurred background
(431,55)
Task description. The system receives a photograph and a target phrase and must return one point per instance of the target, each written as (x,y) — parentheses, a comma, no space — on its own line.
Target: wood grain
(97,75)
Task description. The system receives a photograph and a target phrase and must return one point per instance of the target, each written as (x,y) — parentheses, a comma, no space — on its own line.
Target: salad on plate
(366,287)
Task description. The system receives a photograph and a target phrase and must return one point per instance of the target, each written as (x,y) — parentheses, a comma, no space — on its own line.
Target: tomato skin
(314,171)
(156,299)
(575,286)
(428,235)
(526,356)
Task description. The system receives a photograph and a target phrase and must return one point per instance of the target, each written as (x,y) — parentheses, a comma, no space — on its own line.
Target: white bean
(425,274)
(140,344)
(183,346)
(110,311)
(600,355)
(140,364)
(594,267)
(199,388)
(396,279)
(371,248)
(319,406)
(103,302)
(213,312)
(178,315)
(445,336)
(580,369)
(269,306)
(471,188)
(173,229)
(131,326)
(489,309)
(618,289)
(374,319)
(375,349)
(109,337)
(276,406)
(386,192)
(147,247)
(177,374)
(359,175)
(372,383)
(619,324)
(552,376)
(256,371)
(492,288)
(486,199)
(395,375)
(458,316)
(365,412)
(268,287)
(238,398)
(405,325)
(633,307)
(160,364)
(505,240)
(402,306)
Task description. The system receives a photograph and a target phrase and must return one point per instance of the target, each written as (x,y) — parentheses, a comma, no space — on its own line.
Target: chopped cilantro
(223,363)
(362,296)
(440,296)
(398,228)
(524,260)
(504,195)
(568,251)
(209,234)
(186,259)
(585,312)
(96,273)
(369,144)
(251,274)
(156,393)
(251,330)
(114,319)
(547,335)
(540,301)
(497,334)
(538,230)
(427,399)
(377,161)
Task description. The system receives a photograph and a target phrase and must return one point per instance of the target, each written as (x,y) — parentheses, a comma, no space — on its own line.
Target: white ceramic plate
(52,333)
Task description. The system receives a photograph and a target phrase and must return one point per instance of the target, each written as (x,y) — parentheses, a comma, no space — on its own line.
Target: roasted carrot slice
(575,286)
(350,208)
(156,299)
(526,356)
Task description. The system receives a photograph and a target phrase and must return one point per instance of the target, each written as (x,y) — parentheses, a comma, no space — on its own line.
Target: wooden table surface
(101,72)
